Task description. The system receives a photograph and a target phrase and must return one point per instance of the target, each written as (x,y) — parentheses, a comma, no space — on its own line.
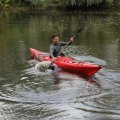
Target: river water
(27,94)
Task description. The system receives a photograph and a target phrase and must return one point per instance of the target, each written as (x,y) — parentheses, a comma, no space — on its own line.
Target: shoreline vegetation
(68,5)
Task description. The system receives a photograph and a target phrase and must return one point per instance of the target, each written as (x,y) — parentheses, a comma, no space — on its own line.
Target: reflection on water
(28,94)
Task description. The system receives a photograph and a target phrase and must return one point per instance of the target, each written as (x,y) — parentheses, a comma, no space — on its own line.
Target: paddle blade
(42,66)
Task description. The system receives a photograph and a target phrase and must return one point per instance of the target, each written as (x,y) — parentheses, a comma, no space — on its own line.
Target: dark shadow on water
(68,76)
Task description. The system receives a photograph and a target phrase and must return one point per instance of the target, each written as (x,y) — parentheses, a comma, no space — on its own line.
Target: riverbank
(35,9)
(65,5)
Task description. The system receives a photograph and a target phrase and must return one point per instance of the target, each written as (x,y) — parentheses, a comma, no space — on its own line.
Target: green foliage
(15,2)
(45,3)
(62,3)
(5,3)
(72,3)
(21,2)
(85,2)
(116,2)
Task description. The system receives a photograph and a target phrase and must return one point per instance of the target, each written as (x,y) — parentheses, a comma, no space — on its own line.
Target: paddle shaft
(75,34)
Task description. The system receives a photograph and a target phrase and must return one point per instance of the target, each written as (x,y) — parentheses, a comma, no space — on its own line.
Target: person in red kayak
(55,47)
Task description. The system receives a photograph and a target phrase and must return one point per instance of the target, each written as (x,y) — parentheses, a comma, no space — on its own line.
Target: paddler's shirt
(55,48)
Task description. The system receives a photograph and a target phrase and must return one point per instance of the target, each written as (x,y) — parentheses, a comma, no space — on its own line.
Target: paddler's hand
(71,39)
(53,58)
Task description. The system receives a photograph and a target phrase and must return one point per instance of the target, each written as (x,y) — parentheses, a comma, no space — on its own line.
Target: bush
(63,3)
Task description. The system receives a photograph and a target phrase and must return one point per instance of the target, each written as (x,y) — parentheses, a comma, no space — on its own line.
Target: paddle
(43,66)
(75,34)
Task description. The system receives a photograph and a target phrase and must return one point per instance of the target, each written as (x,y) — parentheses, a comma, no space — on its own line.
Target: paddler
(55,47)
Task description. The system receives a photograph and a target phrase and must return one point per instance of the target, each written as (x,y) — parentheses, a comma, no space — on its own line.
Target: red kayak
(67,63)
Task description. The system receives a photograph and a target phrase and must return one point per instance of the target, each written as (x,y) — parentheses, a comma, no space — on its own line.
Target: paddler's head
(55,39)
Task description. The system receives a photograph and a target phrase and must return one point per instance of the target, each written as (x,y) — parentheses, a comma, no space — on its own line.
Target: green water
(27,94)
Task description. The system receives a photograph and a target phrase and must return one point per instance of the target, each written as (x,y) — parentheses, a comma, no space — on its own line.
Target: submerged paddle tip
(52,68)
(44,66)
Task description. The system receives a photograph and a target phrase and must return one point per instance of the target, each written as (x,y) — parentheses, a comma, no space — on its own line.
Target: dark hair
(55,35)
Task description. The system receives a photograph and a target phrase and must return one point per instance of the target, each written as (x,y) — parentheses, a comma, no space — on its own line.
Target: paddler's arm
(51,51)
(65,43)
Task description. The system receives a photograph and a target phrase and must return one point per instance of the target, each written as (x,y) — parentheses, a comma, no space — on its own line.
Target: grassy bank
(60,4)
